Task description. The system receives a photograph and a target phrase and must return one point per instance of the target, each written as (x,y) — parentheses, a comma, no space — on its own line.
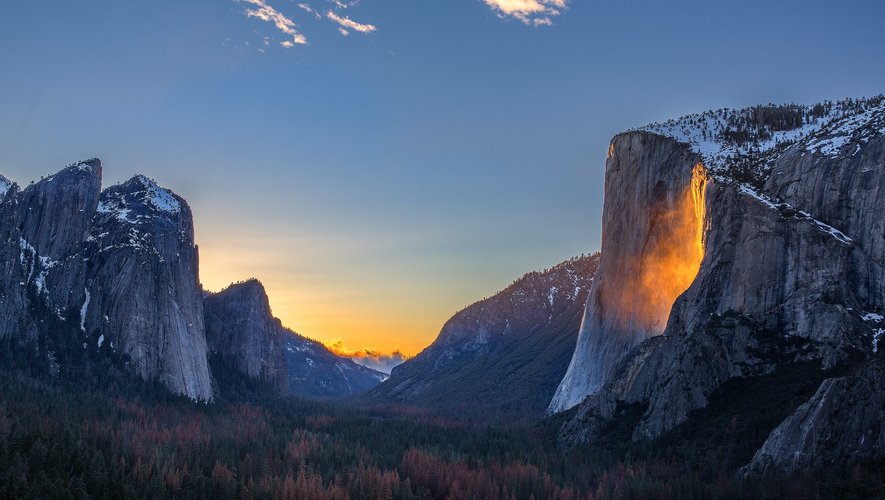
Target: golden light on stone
(669,261)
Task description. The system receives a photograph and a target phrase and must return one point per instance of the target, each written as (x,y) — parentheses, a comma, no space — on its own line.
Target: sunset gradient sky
(380,164)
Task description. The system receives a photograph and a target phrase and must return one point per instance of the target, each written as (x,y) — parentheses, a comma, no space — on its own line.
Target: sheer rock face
(770,291)
(143,288)
(44,228)
(241,328)
(652,225)
(120,263)
(55,214)
(503,356)
(792,271)
(845,188)
(843,422)
(13,294)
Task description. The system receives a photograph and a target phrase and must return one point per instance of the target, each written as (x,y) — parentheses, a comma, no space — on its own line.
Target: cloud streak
(261,10)
(307,8)
(346,23)
(529,12)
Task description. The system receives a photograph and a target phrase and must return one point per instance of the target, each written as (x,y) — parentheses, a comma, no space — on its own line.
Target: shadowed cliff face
(652,247)
(842,421)
(13,296)
(241,328)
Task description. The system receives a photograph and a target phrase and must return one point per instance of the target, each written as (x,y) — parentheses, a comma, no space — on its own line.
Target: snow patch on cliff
(138,200)
(878,327)
(121,213)
(38,266)
(5,186)
(725,136)
(83,311)
(799,214)
(858,128)
(159,198)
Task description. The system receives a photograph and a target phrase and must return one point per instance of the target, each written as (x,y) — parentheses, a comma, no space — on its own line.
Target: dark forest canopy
(84,434)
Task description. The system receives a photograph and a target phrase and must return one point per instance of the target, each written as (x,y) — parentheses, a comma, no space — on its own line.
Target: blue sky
(380,181)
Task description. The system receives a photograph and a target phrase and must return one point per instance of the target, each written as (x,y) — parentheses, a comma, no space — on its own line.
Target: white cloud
(307,8)
(346,23)
(265,12)
(530,12)
(344,5)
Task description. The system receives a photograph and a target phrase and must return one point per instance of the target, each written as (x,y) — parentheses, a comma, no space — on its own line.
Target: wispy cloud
(370,358)
(344,5)
(307,8)
(530,12)
(346,23)
(261,10)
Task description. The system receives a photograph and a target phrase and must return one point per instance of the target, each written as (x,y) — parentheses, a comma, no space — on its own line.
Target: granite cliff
(791,272)
(118,267)
(143,294)
(240,328)
(117,271)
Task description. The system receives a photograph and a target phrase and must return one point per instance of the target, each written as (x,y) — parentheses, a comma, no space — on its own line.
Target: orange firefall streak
(670,262)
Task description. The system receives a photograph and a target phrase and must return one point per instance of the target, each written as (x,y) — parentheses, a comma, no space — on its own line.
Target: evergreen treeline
(93,432)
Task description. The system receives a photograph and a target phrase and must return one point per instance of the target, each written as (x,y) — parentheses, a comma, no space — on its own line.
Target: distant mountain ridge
(499,358)
(316,372)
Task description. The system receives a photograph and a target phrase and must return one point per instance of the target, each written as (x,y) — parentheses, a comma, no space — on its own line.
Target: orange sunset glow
(671,261)
(318,294)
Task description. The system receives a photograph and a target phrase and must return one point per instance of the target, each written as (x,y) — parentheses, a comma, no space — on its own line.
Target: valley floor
(77,437)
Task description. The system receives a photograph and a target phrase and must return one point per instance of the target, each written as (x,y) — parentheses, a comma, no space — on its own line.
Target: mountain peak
(92,165)
(88,171)
(160,198)
(139,197)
